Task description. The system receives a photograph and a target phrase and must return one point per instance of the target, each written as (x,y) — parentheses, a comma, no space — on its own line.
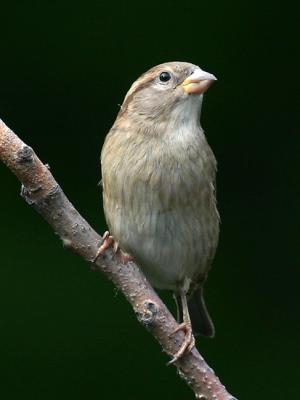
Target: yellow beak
(198,82)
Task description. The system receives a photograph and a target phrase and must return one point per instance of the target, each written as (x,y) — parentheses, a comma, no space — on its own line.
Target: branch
(43,193)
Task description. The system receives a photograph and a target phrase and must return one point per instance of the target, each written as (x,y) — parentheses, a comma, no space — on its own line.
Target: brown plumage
(158,176)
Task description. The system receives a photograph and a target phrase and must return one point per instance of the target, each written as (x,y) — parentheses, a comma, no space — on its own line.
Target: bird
(159,196)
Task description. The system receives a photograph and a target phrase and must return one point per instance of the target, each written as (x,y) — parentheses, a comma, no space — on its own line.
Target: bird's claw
(188,343)
(107,241)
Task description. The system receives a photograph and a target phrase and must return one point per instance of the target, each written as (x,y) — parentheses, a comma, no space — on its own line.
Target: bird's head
(165,90)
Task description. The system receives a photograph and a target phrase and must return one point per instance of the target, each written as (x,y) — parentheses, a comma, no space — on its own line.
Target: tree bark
(42,192)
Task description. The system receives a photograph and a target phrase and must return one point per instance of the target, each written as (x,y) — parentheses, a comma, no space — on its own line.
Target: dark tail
(201,321)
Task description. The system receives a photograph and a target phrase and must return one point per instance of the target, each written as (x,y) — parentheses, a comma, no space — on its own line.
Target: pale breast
(159,202)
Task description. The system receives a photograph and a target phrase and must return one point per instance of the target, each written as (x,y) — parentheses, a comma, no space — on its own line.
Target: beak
(198,82)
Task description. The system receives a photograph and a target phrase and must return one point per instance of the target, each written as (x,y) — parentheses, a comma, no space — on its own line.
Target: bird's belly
(160,205)
(175,249)
(169,243)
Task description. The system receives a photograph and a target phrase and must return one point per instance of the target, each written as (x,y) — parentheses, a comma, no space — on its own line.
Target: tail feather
(201,321)
(200,318)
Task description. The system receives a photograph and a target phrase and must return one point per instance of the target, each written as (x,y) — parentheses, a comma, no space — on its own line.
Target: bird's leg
(177,308)
(108,241)
(186,327)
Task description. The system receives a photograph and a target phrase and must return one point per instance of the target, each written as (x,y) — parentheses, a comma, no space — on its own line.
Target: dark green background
(64,68)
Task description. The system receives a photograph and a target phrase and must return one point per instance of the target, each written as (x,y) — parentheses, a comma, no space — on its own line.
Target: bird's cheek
(180,93)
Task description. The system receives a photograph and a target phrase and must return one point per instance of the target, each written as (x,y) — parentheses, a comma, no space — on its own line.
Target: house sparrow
(159,197)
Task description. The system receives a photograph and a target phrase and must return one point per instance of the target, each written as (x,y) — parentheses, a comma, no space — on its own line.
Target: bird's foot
(109,241)
(188,343)
(123,257)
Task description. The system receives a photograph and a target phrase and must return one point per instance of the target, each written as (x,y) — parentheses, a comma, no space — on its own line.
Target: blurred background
(65,67)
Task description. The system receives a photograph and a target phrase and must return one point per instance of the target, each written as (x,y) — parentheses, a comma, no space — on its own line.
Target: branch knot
(25,155)
(148,313)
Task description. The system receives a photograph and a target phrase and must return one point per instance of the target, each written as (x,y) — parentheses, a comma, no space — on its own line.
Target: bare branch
(41,191)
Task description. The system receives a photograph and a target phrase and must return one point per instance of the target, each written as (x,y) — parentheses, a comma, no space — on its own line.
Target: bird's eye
(165,76)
